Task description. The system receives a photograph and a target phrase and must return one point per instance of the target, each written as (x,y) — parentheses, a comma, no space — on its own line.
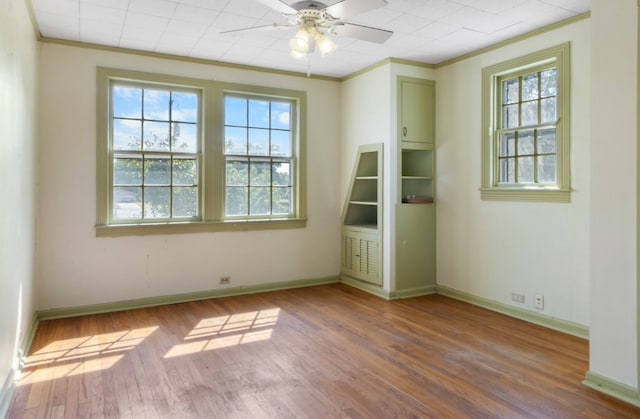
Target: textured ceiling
(427,31)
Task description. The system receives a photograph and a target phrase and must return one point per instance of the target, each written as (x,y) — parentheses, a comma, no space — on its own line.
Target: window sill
(526,194)
(123,230)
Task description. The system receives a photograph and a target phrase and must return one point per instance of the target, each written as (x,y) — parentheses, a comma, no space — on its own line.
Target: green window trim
(491,189)
(211,182)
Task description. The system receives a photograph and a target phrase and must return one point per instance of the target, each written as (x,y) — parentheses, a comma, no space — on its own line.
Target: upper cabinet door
(417,111)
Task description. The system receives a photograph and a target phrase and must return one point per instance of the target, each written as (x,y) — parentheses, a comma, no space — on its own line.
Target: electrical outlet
(224,280)
(518,298)
(538,301)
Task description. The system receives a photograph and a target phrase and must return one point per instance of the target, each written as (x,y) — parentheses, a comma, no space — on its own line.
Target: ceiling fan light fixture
(302,42)
(325,44)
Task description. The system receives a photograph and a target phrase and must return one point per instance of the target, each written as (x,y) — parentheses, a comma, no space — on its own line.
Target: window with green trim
(155,143)
(258,156)
(184,155)
(526,128)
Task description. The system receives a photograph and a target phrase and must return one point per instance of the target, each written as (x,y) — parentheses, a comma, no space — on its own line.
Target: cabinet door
(417,110)
(360,256)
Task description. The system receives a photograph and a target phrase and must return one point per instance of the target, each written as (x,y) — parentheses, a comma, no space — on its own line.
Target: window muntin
(526,133)
(259,160)
(155,153)
(526,128)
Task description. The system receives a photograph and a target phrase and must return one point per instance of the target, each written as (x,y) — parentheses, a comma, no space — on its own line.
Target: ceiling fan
(314,20)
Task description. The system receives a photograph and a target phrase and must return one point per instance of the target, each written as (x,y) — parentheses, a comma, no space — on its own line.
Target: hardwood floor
(319,352)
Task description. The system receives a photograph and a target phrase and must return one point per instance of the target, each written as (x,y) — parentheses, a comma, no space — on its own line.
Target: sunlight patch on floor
(229,330)
(80,355)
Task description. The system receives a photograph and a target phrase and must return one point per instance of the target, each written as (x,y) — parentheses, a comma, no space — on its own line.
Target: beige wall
(76,268)
(18,87)
(492,249)
(614,191)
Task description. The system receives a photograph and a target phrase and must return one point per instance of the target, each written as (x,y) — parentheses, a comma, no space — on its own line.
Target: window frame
(491,189)
(212,168)
(249,157)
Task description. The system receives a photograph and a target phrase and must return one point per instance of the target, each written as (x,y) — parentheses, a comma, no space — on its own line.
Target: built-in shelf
(361,249)
(416,172)
(414,229)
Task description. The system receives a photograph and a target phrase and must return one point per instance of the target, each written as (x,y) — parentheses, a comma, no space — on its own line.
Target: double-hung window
(187,155)
(258,156)
(156,152)
(526,128)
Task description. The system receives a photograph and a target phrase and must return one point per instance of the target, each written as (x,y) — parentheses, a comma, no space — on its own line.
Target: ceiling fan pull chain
(308,66)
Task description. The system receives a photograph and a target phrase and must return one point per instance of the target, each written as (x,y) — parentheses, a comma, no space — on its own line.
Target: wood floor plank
(318,352)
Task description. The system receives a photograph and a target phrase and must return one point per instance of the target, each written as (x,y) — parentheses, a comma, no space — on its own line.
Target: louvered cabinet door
(360,256)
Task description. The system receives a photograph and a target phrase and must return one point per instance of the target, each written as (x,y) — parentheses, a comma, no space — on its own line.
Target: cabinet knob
(404,131)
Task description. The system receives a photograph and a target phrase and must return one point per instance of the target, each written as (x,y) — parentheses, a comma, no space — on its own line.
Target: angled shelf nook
(361,250)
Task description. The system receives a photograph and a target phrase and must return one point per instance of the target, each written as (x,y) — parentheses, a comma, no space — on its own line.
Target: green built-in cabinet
(415,220)
(361,230)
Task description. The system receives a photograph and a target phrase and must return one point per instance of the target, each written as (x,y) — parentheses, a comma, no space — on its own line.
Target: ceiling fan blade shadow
(348,8)
(273,26)
(279,6)
(364,33)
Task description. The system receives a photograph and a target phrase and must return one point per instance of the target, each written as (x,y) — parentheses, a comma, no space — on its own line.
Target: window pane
(260,173)
(184,107)
(280,115)
(281,201)
(525,170)
(235,111)
(281,143)
(548,107)
(507,170)
(157,171)
(127,135)
(547,141)
(237,173)
(258,142)
(127,203)
(235,140)
(156,104)
(510,116)
(237,201)
(510,91)
(525,142)
(507,146)
(530,113)
(185,202)
(156,136)
(259,114)
(157,202)
(185,172)
(530,87)
(281,174)
(127,102)
(127,171)
(548,83)
(547,169)
(185,138)
(260,201)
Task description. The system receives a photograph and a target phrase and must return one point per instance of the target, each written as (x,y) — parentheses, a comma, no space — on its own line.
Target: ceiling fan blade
(279,6)
(273,26)
(348,8)
(364,33)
